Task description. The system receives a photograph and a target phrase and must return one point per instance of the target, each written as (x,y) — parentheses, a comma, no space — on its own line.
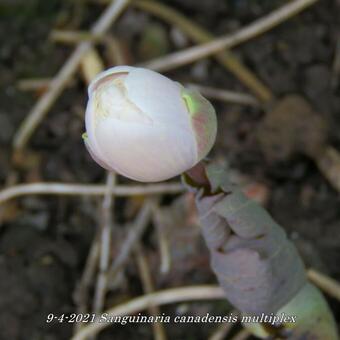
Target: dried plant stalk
(158,298)
(148,286)
(72,37)
(226,95)
(45,188)
(91,65)
(105,244)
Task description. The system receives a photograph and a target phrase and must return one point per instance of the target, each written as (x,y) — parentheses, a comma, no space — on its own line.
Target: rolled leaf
(256,265)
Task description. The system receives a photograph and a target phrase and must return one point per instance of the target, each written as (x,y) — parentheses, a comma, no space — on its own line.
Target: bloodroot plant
(149,128)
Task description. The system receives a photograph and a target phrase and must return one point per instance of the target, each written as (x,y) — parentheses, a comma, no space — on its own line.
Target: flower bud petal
(203,120)
(146,126)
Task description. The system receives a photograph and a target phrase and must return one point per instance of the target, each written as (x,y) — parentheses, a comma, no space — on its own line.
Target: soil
(44,241)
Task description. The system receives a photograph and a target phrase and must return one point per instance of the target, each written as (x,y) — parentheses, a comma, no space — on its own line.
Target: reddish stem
(198,175)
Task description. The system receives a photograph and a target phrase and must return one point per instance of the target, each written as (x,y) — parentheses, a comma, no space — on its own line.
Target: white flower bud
(146,126)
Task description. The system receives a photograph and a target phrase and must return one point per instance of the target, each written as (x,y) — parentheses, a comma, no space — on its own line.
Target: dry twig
(223,330)
(241,335)
(226,96)
(74,37)
(258,27)
(328,163)
(325,283)
(134,234)
(33,84)
(163,242)
(59,82)
(45,188)
(115,51)
(81,292)
(148,286)
(105,244)
(91,64)
(205,292)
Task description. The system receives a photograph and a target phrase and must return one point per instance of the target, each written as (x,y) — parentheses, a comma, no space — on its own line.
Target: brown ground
(44,240)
